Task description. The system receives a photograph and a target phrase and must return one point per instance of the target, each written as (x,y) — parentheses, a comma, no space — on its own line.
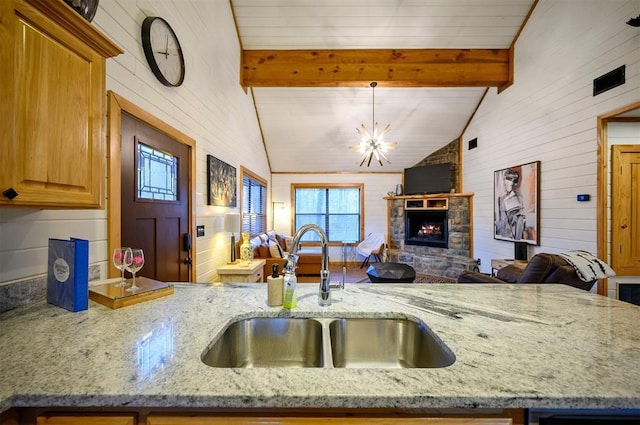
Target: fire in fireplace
(426,228)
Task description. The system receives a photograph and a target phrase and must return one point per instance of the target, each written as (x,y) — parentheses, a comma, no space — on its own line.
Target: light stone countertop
(515,345)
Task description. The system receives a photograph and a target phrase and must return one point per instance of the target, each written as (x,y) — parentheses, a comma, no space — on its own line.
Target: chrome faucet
(324,293)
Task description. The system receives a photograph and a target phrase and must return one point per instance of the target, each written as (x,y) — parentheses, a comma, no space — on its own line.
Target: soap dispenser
(274,288)
(290,283)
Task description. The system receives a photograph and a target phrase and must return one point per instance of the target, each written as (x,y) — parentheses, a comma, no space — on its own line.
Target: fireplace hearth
(426,228)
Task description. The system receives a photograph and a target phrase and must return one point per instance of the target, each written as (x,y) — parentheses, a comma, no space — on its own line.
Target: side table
(242,272)
(498,263)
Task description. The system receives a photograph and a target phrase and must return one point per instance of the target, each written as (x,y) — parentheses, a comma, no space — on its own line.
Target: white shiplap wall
(549,115)
(376,186)
(210,107)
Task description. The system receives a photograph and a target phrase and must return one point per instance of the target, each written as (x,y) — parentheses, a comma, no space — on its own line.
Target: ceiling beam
(389,67)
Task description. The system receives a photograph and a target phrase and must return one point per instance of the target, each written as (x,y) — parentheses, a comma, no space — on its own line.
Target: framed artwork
(516,193)
(221,183)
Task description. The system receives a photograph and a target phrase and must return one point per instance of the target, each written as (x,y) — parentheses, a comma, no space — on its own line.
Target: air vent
(609,80)
(473,143)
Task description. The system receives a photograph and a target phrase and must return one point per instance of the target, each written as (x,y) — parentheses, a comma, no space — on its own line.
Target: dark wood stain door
(158,226)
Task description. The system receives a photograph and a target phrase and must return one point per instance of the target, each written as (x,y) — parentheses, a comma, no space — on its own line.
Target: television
(426,179)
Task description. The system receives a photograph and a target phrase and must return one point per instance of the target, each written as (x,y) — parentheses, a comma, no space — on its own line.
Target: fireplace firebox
(426,228)
(629,292)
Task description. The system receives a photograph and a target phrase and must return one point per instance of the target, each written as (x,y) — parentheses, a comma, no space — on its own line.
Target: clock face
(163,52)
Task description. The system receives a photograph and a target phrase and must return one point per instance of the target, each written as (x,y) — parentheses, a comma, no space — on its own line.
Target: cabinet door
(84,420)
(237,420)
(625,215)
(53,106)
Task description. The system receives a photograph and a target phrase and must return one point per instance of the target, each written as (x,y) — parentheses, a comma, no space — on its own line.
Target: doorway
(617,215)
(130,129)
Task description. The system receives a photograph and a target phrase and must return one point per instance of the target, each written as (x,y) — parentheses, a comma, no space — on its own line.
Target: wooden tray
(116,297)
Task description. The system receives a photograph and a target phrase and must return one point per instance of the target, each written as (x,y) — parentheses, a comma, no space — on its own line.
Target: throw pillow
(264,251)
(288,240)
(281,242)
(255,242)
(275,250)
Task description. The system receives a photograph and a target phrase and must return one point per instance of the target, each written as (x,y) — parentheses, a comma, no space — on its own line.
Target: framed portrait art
(516,194)
(221,183)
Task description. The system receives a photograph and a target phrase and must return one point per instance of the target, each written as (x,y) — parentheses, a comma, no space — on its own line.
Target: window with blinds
(337,209)
(254,204)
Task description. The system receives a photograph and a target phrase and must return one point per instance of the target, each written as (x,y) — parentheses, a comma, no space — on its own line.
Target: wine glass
(136,263)
(119,257)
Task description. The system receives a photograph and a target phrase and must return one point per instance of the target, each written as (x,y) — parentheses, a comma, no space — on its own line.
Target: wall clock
(163,52)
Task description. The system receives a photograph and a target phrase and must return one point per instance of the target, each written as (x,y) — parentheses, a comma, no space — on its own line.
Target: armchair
(542,268)
(373,244)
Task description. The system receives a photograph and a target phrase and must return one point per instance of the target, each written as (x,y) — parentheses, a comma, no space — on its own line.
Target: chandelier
(373,145)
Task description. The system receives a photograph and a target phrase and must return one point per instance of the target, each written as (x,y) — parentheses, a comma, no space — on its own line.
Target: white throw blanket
(588,267)
(372,242)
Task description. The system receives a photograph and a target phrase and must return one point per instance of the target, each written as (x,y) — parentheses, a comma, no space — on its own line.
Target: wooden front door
(625,211)
(155,203)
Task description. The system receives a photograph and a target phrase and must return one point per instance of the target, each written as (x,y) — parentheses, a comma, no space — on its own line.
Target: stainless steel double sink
(270,342)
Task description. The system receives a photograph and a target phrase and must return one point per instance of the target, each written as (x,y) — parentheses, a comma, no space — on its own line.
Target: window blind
(254,206)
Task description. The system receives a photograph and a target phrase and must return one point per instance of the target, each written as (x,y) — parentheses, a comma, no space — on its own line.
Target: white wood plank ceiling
(311,129)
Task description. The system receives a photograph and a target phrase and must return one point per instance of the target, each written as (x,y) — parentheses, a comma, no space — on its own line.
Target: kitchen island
(516,346)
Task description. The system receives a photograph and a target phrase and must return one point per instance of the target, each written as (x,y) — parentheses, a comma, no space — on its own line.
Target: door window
(157,174)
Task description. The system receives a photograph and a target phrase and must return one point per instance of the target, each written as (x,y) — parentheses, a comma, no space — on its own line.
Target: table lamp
(232,224)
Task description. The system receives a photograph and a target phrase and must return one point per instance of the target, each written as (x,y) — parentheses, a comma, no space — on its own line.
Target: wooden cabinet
(238,420)
(87,419)
(427,204)
(187,416)
(52,106)
(354,417)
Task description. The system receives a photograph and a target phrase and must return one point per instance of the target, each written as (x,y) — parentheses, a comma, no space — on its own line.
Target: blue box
(68,274)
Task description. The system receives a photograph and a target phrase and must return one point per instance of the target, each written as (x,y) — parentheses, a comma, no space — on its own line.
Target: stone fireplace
(426,228)
(431,233)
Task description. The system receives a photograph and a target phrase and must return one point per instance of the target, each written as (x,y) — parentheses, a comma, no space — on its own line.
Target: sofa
(274,248)
(542,268)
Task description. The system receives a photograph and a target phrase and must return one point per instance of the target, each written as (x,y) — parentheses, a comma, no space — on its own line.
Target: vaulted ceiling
(310,63)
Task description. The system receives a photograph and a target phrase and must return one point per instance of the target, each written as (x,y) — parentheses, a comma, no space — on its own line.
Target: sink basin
(266,342)
(386,343)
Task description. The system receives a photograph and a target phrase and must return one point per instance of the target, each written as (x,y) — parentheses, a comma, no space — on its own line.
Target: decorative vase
(246,252)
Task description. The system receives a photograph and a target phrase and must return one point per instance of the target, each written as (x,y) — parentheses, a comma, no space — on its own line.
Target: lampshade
(232,222)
